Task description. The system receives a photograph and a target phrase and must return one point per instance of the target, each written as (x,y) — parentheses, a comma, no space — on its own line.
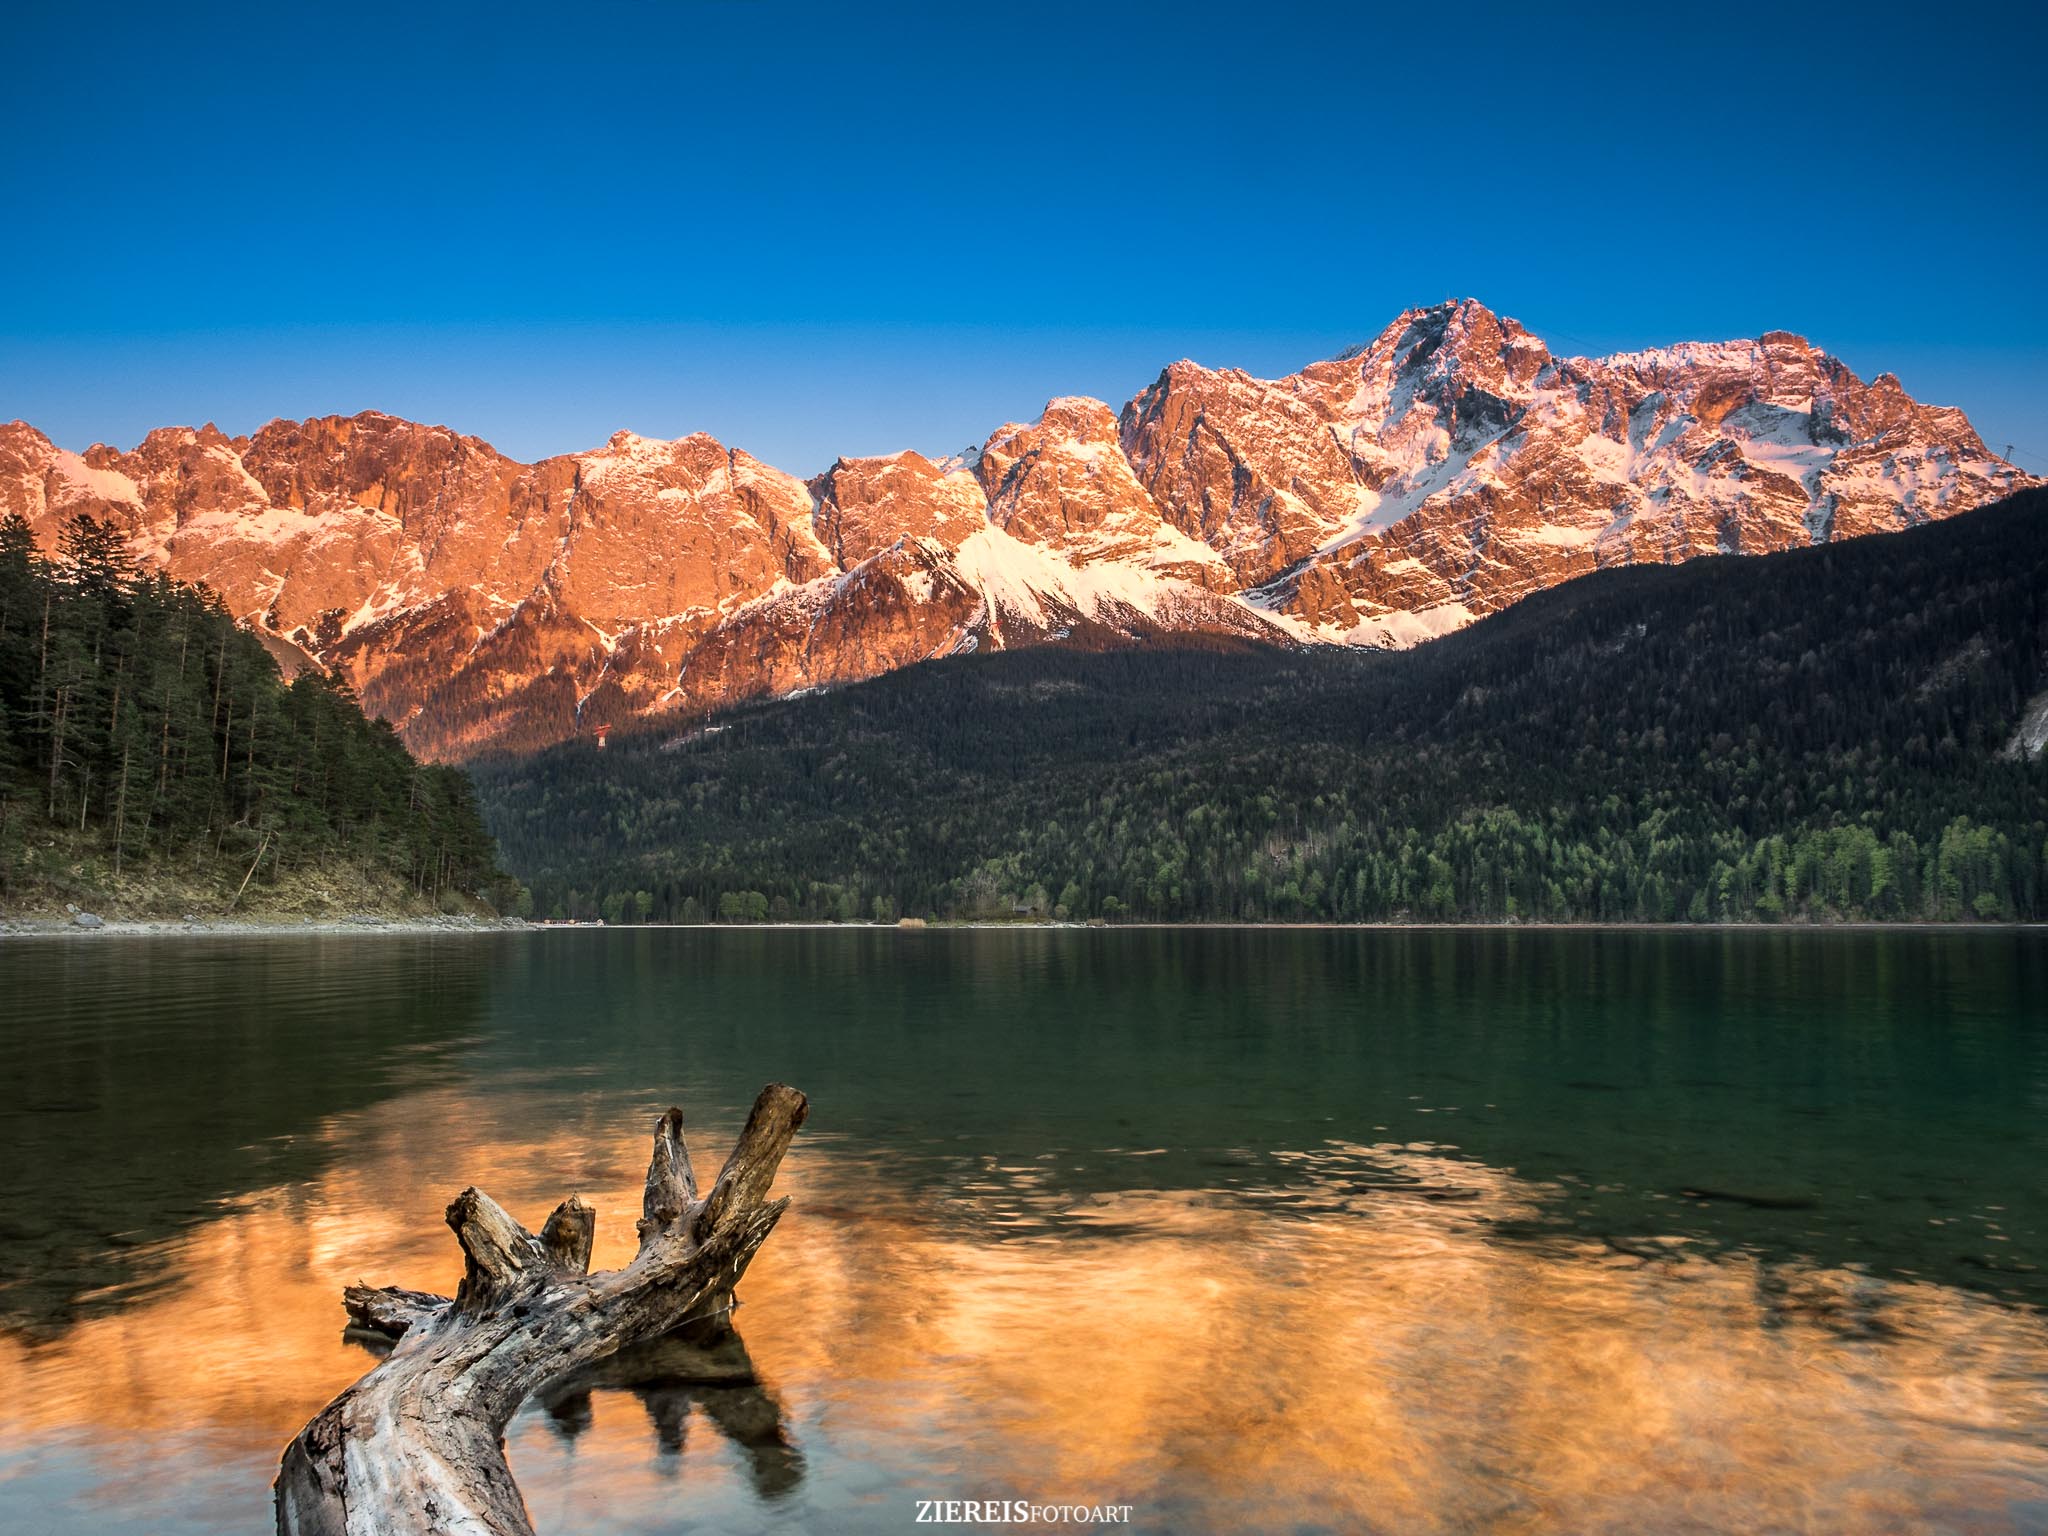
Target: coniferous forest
(1822,734)
(151,753)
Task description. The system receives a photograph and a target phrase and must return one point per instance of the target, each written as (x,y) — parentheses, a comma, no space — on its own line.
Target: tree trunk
(121,815)
(416,1445)
(261,849)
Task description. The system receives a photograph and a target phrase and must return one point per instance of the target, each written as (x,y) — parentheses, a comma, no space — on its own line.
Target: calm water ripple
(1281,1231)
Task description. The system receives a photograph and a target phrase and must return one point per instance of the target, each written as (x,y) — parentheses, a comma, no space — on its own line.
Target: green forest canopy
(1817,734)
(142,730)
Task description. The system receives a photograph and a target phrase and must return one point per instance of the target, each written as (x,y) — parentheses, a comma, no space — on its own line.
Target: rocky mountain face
(1401,490)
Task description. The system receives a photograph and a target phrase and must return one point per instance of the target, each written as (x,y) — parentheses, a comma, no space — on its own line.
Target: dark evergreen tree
(1822,733)
(135,715)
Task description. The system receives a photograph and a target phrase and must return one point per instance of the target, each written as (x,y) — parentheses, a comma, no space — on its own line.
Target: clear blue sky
(852,228)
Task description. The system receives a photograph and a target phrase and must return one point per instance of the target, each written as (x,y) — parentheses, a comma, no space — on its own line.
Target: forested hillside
(1818,734)
(153,757)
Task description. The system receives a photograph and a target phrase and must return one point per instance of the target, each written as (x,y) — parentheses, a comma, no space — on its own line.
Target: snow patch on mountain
(1026,581)
(1398,631)
(2030,738)
(82,481)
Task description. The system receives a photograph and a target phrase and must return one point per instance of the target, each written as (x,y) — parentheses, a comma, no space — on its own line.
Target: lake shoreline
(250,927)
(366,924)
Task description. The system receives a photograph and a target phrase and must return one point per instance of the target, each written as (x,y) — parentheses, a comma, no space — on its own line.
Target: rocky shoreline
(88,925)
(367,922)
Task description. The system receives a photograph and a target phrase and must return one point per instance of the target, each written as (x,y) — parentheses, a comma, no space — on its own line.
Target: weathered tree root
(416,1445)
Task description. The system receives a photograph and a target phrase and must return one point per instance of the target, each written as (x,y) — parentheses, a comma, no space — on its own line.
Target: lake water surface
(1253,1231)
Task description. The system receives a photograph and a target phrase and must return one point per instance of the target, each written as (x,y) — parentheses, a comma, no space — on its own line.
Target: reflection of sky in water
(1238,1280)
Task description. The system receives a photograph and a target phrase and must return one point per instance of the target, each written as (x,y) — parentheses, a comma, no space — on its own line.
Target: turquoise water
(1268,1231)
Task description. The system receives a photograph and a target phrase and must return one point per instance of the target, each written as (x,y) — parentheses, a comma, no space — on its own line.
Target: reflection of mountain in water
(1841,1098)
(1320,1334)
(156,1085)
(1354,1349)
(1826,1098)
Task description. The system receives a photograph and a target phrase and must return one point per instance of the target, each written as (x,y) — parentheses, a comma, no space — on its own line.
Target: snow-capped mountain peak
(1423,478)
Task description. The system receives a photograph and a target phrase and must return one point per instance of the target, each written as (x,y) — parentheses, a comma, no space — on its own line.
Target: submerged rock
(1756,1201)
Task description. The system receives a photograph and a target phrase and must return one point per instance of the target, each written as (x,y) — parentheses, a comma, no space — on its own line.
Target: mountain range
(1431,476)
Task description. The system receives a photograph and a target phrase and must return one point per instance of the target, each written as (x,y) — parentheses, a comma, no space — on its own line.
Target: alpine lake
(1248,1230)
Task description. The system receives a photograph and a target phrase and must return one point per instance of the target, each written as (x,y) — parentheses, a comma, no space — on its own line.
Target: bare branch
(571,1229)
(749,1173)
(671,1181)
(503,1256)
(389,1310)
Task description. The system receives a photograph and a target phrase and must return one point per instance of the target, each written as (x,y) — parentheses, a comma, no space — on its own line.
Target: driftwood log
(417,1444)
